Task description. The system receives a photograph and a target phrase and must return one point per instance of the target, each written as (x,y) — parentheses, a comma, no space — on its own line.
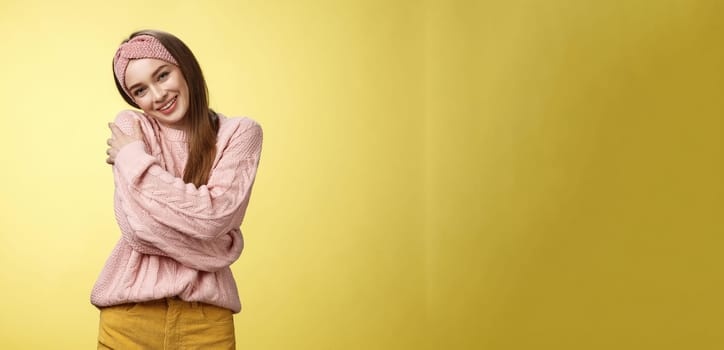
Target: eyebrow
(154,74)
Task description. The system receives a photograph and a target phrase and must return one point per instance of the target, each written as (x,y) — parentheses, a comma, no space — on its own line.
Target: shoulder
(240,135)
(239,127)
(125,119)
(129,116)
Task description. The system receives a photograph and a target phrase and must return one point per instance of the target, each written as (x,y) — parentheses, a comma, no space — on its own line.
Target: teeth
(168,104)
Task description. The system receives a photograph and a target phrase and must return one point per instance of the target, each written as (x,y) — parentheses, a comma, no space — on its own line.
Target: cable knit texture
(177,239)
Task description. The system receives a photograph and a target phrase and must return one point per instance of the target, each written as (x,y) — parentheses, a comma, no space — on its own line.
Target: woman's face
(160,89)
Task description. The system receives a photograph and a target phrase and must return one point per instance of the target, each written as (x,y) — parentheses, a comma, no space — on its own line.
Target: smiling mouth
(168,106)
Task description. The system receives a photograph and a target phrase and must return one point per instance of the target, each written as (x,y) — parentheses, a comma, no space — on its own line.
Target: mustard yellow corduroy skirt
(169,323)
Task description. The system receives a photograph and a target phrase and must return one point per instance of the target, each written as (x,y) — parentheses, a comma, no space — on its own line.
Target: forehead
(142,69)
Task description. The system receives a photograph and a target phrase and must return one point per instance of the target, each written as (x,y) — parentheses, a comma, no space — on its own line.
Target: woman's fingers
(116,133)
(111,158)
(119,139)
(137,133)
(115,130)
(137,129)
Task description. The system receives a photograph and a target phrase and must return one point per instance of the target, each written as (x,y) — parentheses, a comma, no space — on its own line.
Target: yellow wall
(333,234)
(435,174)
(574,174)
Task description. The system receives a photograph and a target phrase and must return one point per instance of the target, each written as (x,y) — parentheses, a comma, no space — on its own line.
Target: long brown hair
(202,123)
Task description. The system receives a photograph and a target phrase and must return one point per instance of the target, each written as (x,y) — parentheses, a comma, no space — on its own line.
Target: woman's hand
(119,139)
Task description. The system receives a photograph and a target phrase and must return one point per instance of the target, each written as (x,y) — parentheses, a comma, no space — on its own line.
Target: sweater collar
(170,133)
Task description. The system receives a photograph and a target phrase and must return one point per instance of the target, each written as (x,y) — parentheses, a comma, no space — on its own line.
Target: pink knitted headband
(141,46)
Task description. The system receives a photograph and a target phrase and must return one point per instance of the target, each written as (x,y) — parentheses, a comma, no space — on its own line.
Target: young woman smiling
(183,178)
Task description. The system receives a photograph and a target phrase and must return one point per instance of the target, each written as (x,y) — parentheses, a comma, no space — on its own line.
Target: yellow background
(435,174)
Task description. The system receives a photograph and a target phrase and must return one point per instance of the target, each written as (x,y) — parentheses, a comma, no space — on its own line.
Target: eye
(138,92)
(163,75)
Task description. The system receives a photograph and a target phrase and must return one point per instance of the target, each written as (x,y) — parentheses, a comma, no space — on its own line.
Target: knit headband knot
(141,46)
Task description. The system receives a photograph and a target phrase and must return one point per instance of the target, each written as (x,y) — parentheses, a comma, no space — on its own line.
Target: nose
(158,93)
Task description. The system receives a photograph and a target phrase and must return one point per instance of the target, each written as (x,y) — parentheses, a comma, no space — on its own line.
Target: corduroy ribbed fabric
(177,239)
(166,324)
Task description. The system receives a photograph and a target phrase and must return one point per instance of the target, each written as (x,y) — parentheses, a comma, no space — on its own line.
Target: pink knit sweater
(177,239)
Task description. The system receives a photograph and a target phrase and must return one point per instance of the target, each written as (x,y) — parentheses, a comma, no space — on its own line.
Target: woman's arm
(144,216)
(146,236)
(206,212)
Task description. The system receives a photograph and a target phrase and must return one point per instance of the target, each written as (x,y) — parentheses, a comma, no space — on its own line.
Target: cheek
(185,93)
(144,103)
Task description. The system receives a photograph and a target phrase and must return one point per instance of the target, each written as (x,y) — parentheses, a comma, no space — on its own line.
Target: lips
(169,107)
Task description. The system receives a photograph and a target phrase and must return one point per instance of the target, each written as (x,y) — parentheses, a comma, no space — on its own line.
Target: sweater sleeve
(147,236)
(206,212)
(146,223)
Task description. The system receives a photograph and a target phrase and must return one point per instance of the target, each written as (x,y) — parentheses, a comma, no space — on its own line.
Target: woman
(183,176)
